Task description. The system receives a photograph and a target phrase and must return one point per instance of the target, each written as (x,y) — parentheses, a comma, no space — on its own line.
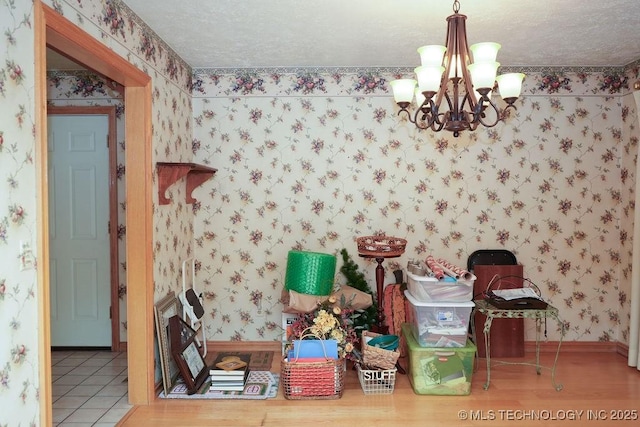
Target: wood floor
(599,389)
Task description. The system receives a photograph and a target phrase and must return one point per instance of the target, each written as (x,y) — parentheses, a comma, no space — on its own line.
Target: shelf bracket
(169,173)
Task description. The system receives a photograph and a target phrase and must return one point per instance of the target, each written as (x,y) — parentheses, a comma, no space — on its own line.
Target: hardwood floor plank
(596,385)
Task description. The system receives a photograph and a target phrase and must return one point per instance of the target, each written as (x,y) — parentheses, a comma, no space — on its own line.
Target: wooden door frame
(53,30)
(114,278)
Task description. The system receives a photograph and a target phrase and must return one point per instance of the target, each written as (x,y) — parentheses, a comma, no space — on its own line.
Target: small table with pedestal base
(539,315)
(380,327)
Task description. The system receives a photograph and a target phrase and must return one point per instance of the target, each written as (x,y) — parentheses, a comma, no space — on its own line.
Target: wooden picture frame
(184,349)
(165,309)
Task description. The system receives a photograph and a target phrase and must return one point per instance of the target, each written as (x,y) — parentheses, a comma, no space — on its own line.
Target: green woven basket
(310,273)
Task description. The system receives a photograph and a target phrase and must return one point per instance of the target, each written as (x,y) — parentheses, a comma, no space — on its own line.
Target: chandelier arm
(412,119)
(464,57)
(404,110)
(448,99)
(438,122)
(427,112)
(479,115)
(473,107)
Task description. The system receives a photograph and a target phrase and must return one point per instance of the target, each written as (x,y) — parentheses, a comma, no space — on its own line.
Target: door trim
(53,30)
(114,277)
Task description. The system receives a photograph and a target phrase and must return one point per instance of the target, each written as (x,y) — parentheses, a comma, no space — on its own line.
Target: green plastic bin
(439,371)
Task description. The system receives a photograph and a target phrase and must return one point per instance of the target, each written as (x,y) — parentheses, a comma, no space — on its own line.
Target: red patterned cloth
(395,312)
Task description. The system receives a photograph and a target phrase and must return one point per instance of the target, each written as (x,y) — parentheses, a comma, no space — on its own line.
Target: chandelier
(463,76)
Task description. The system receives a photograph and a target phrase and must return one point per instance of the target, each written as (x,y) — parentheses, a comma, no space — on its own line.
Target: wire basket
(384,246)
(377,381)
(313,380)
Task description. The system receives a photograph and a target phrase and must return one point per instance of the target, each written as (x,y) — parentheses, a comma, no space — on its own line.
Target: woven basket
(310,273)
(374,357)
(313,380)
(381,246)
(381,381)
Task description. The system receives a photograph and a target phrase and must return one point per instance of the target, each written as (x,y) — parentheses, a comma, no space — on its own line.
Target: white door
(79,235)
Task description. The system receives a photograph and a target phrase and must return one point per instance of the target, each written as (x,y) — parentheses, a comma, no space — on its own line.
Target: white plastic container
(430,289)
(440,324)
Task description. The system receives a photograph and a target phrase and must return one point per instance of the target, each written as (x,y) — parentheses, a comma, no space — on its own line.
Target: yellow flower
(328,322)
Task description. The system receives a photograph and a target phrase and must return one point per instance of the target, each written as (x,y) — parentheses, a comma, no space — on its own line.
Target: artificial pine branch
(364,319)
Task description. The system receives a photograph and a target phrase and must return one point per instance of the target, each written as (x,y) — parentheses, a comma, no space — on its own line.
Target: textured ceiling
(386,33)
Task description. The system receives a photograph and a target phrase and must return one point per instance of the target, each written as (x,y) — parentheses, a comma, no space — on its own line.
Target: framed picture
(165,309)
(185,352)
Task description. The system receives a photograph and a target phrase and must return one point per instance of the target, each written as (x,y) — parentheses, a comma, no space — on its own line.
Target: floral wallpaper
(111,22)
(18,288)
(310,159)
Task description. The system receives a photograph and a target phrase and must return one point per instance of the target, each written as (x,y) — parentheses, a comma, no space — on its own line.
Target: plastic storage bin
(439,371)
(440,324)
(430,289)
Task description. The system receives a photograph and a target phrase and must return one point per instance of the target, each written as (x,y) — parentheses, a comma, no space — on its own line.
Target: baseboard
(529,346)
(622,349)
(214,346)
(79,348)
(123,346)
(574,346)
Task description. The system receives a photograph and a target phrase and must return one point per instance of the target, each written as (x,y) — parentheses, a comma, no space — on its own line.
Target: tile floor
(89,388)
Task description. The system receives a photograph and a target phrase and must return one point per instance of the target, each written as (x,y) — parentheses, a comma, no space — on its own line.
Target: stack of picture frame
(187,356)
(176,345)
(165,309)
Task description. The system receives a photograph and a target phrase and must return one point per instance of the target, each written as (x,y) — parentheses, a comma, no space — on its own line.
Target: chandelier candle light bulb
(455,83)
(403,90)
(510,86)
(429,78)
(483,74)
(431,55)
(485,52)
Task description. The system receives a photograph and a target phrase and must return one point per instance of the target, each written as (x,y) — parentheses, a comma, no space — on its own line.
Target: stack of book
(229,373)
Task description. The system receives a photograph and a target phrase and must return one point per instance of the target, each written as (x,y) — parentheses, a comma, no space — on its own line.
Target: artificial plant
(362,319)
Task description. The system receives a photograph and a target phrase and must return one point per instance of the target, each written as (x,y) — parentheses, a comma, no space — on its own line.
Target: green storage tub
(439,371)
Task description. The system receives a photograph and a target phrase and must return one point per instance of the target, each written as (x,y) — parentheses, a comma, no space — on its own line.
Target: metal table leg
(557,386)
(487,345)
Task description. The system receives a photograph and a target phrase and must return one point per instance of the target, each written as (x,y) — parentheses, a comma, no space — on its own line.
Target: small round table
(379,327)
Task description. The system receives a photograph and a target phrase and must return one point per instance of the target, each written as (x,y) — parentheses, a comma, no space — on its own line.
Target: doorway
(53,30)
(85,308)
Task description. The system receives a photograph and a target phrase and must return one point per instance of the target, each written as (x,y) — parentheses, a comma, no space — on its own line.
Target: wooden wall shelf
(169,173)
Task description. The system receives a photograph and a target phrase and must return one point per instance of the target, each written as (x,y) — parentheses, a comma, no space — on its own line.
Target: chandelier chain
(456,6)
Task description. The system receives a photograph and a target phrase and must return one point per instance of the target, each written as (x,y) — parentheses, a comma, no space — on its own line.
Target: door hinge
(108,227)
(110,312)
